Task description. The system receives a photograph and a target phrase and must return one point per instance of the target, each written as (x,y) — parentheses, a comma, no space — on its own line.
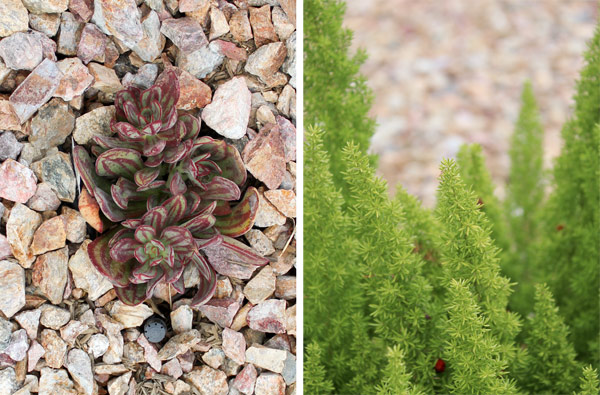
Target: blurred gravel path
(450,72)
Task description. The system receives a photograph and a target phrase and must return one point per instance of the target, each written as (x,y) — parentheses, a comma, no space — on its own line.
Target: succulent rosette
(168,190)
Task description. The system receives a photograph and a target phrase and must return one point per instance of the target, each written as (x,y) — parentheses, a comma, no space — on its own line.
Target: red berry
(440,365)
(560,227)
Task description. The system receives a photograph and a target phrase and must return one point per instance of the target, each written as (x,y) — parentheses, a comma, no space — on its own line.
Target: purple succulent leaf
(130,94)
(123,250)
(155,161)
(132,294)
(180,239)
(220,188)
(153,145)
(99,253)
(232,166)
(179,285)
(113,142)
(192,126)
(211,238)
(145,176)
(156,218)
(152,128)
(131,223)
(85,167)
(177,184)
(176,207)
(125,191)
(133,114)
(178,152)
(173,273)
(242,253)
(173,135)
(126,131)
(169,86)
(108,207)
(193,202)
(152,185)
(199,223)
(208,281)
(241,219)
(119,162)
(150,95)
(144,234)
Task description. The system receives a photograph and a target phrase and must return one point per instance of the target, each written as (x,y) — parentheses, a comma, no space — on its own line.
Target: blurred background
(449,72)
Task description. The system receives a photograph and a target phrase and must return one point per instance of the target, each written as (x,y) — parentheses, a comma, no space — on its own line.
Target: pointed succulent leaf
(174,135)
(177,184)
(156,160)
(170,256)
(169,119)
(146,175)
(156,218)
(144,234)
(122,251)
(131,223)
(126,131)
(199,223)
(85,167)
(122,233)
(192,126)
(98,250)
(210,238)
(127,95)
(193,202)
(152,185)
(168,82)
(144,272)
(156,113)
(241,219)
(176,153)
(113,142)
(119,162)
(172,273)
(179,285)
(232,166)
(208,281)
(241,253)
(207,145)
(150,95)
(176,207)
(108,207)
(153,145)
(220,188)
(132,294)
(125,191)
(179,238)
(133,114)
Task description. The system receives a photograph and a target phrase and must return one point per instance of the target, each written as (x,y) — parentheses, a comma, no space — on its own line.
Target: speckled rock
(283,27)
(261,286)
(105,79)
(119,385)
(54,317)
(5,333)
(229,112)
(69,34)
(245,380)
(92,44)
(181,319)
(50,274)
(239,25)
(90,210)
(152,43)
(193,92)
(215,357)
(20,229)
(57,171)
(179,344)
(268,316)
(34,354)
(86,276)
(208,381)
(8,116)
(266,358)
(267,214)
(56,381)
(264,31)
(93,123)
(80,368)
(234,345)
(288,134)
(266,60)
(51,235)
(13,18)
(51,125)
(21,51)
(119,18)
(74,225)
(130,316)
(8,378)
(269,384)
(201,62)
(97,345)
(36,89)
(284,201)
(72,330)
(150,353)
(45,23)
(75,80)
(259,242)
(221,311)
(84,9)
(17,182)
(218,23)
(172,368)
(5,251)
(264,156)
(113,328)
(49,6)
(18,345)
(9,146)
(56,348)
(186,33)
(30,321)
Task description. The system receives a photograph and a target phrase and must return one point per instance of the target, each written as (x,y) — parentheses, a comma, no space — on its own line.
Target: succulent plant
(167,190)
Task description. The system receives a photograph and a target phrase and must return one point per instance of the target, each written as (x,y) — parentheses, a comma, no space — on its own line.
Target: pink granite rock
(172,368)
(51,235)
(234,345)
(34,354)
(268,316)
(288,134)
(13,17)
(75,80)
(36,89)
(245,380)
(8,116)
(221,311)
(92,44)
(150,353)
(229,112)
(193,92)
(21,51)
(82,9)
(17,182)
(120,18)
(266,60)
(69,34)
(5,250)
(265,156)
(20,227)
(186,33)
(232,51)
(283,200)
(56,348)
(152,43)
(208,380)
(239,26)
(50,274)
(12,287)
(264,31)
(18,346)
(269,384)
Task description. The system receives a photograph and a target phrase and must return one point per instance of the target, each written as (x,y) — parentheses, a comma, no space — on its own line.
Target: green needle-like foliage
(472,353)
(396,381)
(570,250)
(475,174)
(315,375)
(336,97)
(551,362)
(469,255)
(590,385)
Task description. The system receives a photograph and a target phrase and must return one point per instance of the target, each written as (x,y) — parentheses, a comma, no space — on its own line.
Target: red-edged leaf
(113,142)
(173,135)
(152,185)
(123,250)
(192,126)
(152,128)
(172,273)
(143,273)
(99,253)
(119,162)
(150,95)
(156,113)
(126,131)
(232,166)
(144,234)
(156,218)
(169,119)
(131,223)
(177,184)
(168,82)
(207,145)
(199,223)
(242,216)
(242,253)
(85,167)
(130,94)
(156,160)
(208,281)
(220,188)
(108,207)
(180,239)
(193,202)
(153,145)
(133,114)
(125,191)
(176,153)
(209,240)
(179,285)
(146,175)
(132,294)
(176,207)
